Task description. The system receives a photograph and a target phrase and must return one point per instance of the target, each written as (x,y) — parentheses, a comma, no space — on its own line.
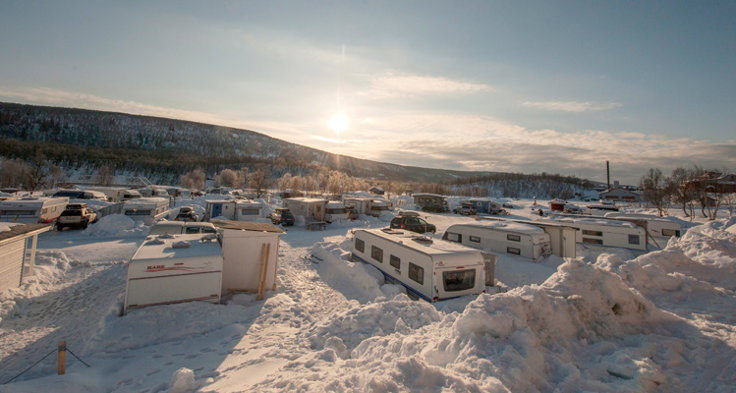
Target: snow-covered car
(186,213)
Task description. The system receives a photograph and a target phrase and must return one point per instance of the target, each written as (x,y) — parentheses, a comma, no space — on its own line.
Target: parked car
(465,209)
(412,223)
(352,212)
(282,216)
(76,215)
(186,213)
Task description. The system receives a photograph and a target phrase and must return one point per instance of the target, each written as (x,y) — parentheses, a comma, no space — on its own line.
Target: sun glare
(338,122)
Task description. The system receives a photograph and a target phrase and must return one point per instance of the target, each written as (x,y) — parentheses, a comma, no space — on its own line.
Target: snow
(612,320)
(5,226)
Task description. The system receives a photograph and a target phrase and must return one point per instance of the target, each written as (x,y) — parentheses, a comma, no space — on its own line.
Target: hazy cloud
(571,106)
(391,85)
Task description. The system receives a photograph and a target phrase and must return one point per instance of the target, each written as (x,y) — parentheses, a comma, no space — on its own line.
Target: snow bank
(5,226)
(355,280)
(116,225)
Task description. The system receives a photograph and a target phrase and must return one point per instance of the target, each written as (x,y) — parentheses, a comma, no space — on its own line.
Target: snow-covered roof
(160,247)
(509,226)
(421,243)
(246,226)
(32,202)
(307,200)
(145,202)
(335,204)
(11,230)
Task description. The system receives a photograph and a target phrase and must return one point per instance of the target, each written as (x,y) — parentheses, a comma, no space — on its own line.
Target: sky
(532,86)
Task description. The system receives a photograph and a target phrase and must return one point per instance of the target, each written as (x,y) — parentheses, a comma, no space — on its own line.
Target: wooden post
(62,358)
(265,251)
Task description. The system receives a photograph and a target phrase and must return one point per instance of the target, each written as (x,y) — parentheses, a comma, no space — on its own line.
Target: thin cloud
(391,85)
(571,106)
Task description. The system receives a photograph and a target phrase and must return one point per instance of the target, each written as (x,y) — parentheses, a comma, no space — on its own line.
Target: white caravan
(172,269)
(335,211)
(234,209)
(32,209)
(380,207)
(428,268)
(312,209)
(657,226)
(359,204)
(147,210)
(609,233)
(508,237)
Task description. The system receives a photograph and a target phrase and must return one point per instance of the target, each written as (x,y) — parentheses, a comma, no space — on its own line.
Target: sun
(338,122)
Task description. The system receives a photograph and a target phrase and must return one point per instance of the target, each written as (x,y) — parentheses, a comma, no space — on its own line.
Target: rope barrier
(83,362)
(41,360)
(34,365)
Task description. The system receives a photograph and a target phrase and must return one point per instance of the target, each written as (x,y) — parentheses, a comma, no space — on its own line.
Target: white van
(508,237)
(428,268)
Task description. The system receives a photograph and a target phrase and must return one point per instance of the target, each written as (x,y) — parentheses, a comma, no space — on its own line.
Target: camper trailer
(360,205)
(660,227)
(250,251)
(607,233)
(171,269)
(312,209)
(486,206)
(234,209)
(379,207)
(562,236)
(147,210)
(431,202)
(508,237)
(335,211)
(32,209)
(428,268)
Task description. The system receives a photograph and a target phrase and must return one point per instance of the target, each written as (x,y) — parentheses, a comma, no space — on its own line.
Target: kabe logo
(155,268)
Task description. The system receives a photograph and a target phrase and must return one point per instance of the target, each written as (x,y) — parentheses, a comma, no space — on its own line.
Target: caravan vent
(180,244)
(391,231)
(422,239)
(155,241)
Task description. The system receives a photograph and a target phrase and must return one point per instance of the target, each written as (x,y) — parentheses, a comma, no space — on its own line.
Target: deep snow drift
(610,321)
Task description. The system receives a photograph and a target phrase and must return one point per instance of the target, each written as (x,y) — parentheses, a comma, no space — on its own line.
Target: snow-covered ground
(613,320)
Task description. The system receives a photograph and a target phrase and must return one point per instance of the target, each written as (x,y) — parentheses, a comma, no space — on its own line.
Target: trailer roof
(33,201)
(150,201)
(509,226)
(161,247)
(12,230)
(421,243)
(596,221)
(307,200)
(246,226)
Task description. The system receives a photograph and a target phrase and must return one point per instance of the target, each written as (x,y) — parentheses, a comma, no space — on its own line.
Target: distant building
(620,194)
(376,190)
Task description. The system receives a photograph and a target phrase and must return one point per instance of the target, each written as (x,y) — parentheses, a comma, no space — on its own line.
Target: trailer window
(591,240)
(592,233)
(670,232)
(458,280)
(474,239)
(250,212)
(454,237)
(135,212)
(359,245)
(513,250)
(395,261)
(416,273)
(633,239)
(513,238)
(189,230)
(208,230)
(377,254)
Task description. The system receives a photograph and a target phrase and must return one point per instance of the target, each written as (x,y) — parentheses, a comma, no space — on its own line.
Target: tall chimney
(608,175)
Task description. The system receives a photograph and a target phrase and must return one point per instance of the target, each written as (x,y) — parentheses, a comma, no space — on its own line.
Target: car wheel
(59,227)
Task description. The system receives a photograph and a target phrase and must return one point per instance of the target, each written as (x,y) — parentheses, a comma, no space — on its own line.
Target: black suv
(186,213)
(282,216)
(412,223)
